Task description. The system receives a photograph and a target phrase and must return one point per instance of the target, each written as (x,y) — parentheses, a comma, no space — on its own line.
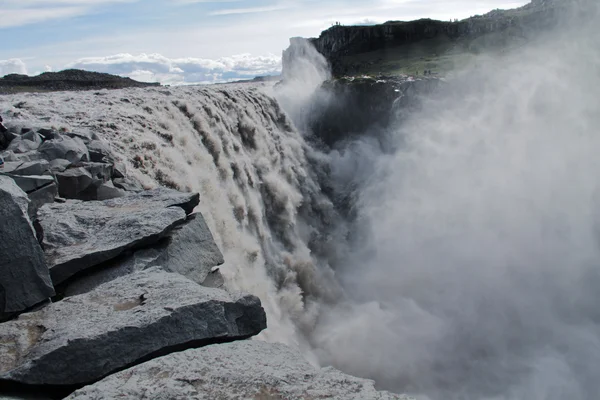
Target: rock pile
(103,286)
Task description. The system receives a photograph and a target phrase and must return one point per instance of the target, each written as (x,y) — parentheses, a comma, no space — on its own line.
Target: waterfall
(234,145)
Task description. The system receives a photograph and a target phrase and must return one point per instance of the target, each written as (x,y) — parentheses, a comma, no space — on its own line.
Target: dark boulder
(24,276)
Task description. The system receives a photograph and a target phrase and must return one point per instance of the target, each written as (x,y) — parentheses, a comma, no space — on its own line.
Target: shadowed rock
(79,235)
(24,274)
(84,338)
(248,369)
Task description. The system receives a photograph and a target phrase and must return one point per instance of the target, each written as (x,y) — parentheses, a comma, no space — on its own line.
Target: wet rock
(42,196)
(84,338)
(48,134)
(79,235)
(73,183)
(189,250)
(25,143)
(99,150)
(108,191)
(248,369)
(100,171)
(119,170)
(64,147)
(127,184)
(85,136)
(24,276)
(6,138)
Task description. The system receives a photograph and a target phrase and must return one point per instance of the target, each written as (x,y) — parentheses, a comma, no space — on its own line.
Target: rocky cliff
(416,46)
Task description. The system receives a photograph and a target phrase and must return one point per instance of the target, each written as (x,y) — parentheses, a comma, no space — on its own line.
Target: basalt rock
(248,369)
(64,147)
(24,276)
(84,338)
(189,250)
(79,235)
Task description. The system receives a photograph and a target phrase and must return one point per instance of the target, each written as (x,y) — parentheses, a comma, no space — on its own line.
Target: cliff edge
(426,45)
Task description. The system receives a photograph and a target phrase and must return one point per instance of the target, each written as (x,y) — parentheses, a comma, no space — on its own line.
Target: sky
(188,41)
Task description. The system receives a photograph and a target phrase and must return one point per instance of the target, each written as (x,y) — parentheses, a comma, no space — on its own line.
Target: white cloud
(12,66)
(157,68)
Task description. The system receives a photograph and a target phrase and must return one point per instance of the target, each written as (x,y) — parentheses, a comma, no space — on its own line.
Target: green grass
(441,55)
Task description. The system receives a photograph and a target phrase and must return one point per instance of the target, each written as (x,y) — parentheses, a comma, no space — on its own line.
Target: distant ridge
(69,79)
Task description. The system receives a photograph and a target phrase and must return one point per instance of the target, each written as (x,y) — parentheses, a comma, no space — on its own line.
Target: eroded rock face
(248,369)
(84,338)
(79,235)
(189,250)
(24,276)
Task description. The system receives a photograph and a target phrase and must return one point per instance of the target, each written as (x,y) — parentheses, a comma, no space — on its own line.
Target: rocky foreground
(109,291)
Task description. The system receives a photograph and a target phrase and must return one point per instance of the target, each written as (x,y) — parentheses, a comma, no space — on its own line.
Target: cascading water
(236,147)
(468,268)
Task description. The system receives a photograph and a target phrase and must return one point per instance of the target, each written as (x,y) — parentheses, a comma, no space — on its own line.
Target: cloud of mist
(475,269)
(304,70)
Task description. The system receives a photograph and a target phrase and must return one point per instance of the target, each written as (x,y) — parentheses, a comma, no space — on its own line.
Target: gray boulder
(22,157)
(64,147)
(24,277)
(85,338)
(48,134)
(37,167)
(127,184)
(101,171)
(99,150)
(42,196)
(119,170)
(6,138)
(79,235)
(31,183)
(108,191)
(248,369)
(59,165)
(25,143)
(73,183)
(189,250)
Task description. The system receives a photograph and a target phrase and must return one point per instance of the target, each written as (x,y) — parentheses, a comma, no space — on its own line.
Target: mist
(474,269)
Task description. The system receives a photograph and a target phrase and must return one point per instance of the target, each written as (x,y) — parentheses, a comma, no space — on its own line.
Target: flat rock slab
(31,183)
(241,370)
(38,167)
(189,250)
(79,235)
(24,276)
(85,338)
